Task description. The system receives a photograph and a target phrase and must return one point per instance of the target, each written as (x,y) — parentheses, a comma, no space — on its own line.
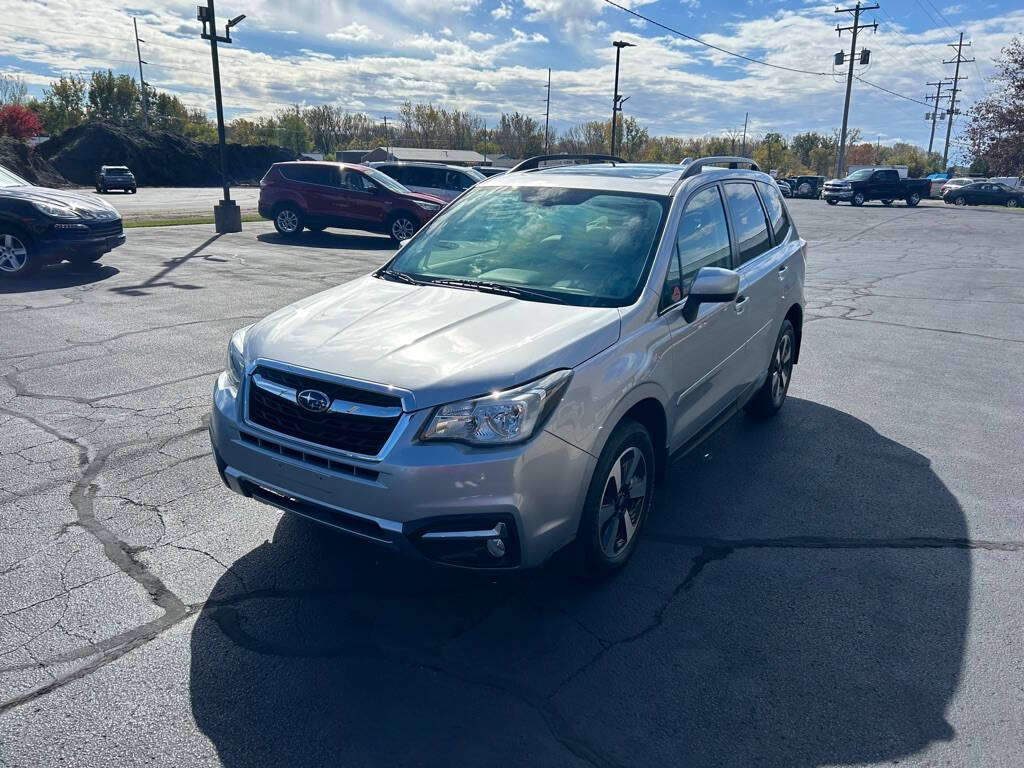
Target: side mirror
(711,285)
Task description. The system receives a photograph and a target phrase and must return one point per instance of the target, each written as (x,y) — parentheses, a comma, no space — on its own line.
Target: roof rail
(692,169)
(551,161)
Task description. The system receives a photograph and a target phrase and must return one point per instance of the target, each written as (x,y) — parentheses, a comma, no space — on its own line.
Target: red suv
(318,195)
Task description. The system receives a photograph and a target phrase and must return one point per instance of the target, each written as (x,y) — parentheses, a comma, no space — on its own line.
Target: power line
(710,45)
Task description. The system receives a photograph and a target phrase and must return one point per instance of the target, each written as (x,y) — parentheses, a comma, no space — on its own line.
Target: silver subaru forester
(519,375)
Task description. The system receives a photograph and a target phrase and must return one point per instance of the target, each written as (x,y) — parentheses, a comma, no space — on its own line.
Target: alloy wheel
(287,220)
(1012,202)
(13,254)
(960,201)
(782,368)
(402,228)
(622,502)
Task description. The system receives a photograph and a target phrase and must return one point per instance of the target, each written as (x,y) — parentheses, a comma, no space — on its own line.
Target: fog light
(496,548)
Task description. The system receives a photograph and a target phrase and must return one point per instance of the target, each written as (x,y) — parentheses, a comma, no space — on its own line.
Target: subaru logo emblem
(314,400)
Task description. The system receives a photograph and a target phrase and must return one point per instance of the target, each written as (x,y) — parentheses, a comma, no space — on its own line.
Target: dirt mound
(157,158)
(29,164)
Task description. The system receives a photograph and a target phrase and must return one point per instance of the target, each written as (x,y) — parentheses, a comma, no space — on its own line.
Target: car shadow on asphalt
(329,239)
(800,598)
(58,277)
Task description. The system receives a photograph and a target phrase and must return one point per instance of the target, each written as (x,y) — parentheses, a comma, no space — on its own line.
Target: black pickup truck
(882,184)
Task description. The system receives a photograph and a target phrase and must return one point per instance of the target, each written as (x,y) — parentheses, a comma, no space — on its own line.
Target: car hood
(85,205)
(441,344)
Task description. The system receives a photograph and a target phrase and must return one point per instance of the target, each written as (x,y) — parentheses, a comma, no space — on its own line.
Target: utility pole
(743,152)
(227,216)
(935,113)
(954,91)
(387,137)
(547,113)
(857,26)
(616,99)
(142,81)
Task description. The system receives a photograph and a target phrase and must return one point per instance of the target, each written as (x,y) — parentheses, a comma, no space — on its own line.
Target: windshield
(385,181)
(8,179)
(863,173)
(577,246)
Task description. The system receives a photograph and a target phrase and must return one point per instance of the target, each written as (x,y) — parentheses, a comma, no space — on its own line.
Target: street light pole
(227,216)
(619,45)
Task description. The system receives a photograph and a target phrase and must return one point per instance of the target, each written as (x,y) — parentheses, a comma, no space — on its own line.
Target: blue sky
(491,56)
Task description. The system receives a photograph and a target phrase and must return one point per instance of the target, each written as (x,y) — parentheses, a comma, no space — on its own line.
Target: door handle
(741,304)
(782,272)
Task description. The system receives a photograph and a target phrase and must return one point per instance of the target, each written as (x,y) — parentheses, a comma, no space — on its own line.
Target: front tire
(913,199)
(17,255)
(402,226)
(857,199)
(959,201)
(772,394)
(288,221)
(619,499)
(831,201)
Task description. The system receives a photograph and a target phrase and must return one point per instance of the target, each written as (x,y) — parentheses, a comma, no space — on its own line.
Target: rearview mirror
(711,285)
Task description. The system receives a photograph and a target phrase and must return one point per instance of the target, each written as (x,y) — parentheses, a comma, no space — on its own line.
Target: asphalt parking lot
(839,586)
(175,202)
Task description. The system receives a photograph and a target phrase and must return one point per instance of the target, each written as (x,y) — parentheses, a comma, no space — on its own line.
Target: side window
(776,210)
(418,177)
(457,181)
(311,174)
(703,239)
(672,290)
(396,172)
(748,220)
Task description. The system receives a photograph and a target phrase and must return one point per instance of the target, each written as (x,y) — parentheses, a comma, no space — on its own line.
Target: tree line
(995,133)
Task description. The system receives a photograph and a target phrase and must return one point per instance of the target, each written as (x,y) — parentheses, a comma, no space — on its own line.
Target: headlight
(55,210)
(235,363)
(501,418)
(427,206)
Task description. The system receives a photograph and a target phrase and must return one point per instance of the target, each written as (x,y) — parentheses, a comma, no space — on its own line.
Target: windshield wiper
(399,276)
(500,289)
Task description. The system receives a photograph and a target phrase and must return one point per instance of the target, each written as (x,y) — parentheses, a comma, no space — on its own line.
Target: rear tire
(772,394)
(618,501)
(1011,202)
(831,201)
(288,221)
(857,199)
(913,199)
(17,255)
(402,226)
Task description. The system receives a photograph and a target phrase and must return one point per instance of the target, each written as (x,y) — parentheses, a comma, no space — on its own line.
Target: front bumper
(424,500)
(97,237)
(837,194)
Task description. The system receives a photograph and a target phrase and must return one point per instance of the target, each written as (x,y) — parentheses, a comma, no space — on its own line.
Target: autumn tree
(995,133)
(113,98)
(63,104)
(19,122)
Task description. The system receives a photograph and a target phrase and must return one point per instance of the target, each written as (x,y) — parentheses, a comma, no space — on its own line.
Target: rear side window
(425,177)
(310,174)
(458,181)
(748,220)
(703,239)
(776,211)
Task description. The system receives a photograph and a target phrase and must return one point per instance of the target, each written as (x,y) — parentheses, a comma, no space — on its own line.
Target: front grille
(364,435)
(340,467)
(105,228)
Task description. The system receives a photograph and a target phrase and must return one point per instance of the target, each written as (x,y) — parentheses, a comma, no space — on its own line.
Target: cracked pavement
(840,586)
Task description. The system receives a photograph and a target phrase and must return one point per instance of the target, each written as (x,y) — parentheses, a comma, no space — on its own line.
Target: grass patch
(181,222)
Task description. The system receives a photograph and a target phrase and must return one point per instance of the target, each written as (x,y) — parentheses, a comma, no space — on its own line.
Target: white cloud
(954,9)
(502,11)
(354,33)
(638,23)
(479,37)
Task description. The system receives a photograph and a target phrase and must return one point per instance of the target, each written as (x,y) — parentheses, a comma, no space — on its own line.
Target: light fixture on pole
(616,99)
(227,216)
